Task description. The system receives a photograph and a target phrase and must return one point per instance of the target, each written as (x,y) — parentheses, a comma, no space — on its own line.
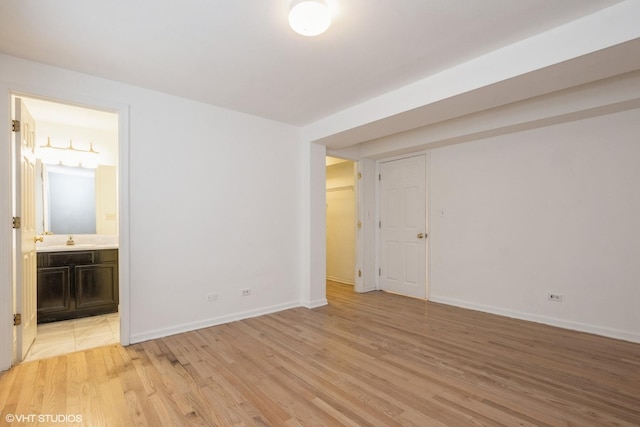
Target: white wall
(214,208)
(368,243)
(106,200)
(523,214)
(314,248)
(554,209)
(207,209)
(341,214)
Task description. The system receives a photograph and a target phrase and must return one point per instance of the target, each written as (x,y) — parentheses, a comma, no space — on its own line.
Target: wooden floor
(373,359)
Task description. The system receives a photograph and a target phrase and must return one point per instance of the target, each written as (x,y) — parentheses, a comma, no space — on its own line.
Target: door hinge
(15,125)
(379,177)
(359,175)
(379,272)
(359,224)
(17,319)
(16,222)
(359,273)
(379,224)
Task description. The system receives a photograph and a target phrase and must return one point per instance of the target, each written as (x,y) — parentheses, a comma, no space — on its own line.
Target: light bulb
(310,17)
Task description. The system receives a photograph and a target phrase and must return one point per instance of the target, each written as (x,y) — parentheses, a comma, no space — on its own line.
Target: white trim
(552,321)
(377,263)
(214,321)
(358,279)
(6,232)
(316,303)
(124,258)
(427,177)
(341,280)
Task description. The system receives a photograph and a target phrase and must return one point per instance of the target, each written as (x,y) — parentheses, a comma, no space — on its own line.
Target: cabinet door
(53,291)
(96,285)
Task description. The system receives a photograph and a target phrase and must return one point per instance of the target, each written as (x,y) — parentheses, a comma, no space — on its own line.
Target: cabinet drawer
(106,255)
(59,259)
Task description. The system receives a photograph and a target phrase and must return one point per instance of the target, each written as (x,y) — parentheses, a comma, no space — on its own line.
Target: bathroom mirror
(76,200)
(70,200)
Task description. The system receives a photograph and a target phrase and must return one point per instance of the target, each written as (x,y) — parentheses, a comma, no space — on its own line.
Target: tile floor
(64,337)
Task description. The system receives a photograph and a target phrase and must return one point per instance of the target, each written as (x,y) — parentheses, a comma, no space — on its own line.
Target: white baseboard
(340,280)
(192,326)
(315,303)
(552,321)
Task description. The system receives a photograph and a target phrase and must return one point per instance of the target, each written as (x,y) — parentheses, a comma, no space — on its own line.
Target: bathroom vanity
(77,282)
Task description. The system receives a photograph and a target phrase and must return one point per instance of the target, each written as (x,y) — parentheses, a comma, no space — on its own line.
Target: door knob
(421,235)
(38,239)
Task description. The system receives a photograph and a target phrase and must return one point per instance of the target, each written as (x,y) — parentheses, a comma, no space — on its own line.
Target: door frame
(7,234)
(378,207)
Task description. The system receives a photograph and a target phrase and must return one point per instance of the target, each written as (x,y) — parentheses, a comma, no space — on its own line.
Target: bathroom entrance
(70,281)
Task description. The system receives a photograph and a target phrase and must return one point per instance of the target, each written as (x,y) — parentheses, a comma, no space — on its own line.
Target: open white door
(403,222)
(25,251)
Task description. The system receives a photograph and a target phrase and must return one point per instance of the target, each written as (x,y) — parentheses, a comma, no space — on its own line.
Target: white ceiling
(70,115)
(330,161)
(241,54)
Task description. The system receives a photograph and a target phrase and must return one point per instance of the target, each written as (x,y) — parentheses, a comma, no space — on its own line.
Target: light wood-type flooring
(373,359)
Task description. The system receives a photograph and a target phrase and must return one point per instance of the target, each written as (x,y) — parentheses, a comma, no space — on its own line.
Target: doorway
(82,142)
(341,221)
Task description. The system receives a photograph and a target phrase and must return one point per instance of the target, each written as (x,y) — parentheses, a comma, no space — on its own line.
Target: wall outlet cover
(554,297)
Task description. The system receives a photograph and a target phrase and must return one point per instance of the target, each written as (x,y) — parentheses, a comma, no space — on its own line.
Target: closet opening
(341,221)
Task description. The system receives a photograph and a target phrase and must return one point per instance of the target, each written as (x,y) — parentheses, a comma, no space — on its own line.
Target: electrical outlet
(245,292)
(554,297)
(212,297)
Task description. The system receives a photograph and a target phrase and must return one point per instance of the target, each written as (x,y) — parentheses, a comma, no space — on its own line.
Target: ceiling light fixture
(309,17)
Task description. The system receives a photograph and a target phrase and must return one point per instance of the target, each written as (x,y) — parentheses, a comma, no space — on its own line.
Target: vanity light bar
(69,156)
(70,147)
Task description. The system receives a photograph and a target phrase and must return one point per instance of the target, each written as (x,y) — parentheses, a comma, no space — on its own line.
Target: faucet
(70,241)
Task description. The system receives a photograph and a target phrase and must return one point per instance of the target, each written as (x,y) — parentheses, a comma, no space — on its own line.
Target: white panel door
(403,222)
(26,263)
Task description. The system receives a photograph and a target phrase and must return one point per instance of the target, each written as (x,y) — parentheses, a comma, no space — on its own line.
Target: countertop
(76,247)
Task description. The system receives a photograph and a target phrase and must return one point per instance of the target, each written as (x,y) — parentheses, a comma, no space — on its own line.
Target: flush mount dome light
(309,17)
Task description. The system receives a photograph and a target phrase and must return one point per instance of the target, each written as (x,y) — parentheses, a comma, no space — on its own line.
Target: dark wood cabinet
(75,284)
